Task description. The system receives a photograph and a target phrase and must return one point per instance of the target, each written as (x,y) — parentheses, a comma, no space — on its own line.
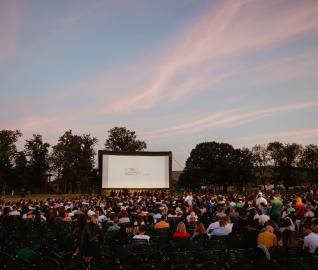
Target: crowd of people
(258,220)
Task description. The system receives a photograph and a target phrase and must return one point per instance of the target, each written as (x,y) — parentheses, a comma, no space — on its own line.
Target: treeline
(213,163)
(70,161)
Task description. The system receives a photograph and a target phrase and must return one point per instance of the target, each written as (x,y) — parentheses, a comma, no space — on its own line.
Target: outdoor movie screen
(135,170)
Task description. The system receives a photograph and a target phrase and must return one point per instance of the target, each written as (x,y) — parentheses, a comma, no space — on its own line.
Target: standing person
(276,209)
(260,200)
(300,212)
(189,199)
(91,240)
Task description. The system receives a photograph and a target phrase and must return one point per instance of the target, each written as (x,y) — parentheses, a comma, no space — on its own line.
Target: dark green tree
(37,154)
(285,158)
(276,153)
(123,139)
(8,151)
(242,167)
(209,163)
(309,161)
(73,161)
(261,162)
(22,174)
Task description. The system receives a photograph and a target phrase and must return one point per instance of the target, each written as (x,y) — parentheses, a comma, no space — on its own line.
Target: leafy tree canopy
(123,139)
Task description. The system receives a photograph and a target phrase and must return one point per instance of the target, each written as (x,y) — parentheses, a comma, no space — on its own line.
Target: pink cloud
(304,136)
(226,119)
(10,23)
(217,37)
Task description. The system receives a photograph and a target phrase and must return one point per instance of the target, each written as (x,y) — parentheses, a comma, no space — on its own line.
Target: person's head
(299,201)
(94,218)
(307,228)
(142,230)
(181,228)
(286,222)
(273,224)
(315,230)
(222,222)
(199,228)
(269,228)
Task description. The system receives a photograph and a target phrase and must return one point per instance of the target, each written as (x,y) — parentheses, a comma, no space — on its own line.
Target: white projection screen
(136,170)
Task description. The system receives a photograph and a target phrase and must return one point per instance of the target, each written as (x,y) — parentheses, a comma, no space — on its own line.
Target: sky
(178,72)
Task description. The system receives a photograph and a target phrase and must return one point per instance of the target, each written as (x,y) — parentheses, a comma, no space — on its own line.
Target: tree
(261,159)
(22,178)
(275,150)
(73,161)
(242,166)
(285,158)
(37,154)
(209,163)
(8,151)
(122,139)
(309,161)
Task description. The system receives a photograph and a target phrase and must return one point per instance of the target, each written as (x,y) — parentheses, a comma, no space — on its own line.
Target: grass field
(41,196)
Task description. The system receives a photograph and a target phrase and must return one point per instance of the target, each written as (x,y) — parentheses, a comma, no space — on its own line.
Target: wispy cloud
(304,136)
(10,23)
(217,37)
(225,119)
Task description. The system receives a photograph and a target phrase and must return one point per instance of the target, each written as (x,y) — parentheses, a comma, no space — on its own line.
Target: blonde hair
(181,228)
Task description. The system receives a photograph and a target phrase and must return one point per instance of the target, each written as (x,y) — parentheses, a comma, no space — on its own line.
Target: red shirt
(181,234)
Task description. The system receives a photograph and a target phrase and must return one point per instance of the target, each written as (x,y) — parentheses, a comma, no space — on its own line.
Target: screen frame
(129,153)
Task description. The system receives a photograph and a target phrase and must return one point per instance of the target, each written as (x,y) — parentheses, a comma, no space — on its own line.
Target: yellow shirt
(267,239)
(161,225)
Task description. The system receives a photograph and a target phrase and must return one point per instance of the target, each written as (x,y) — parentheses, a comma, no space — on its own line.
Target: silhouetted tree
(209,163)
(73,161)
(261,162)
(37,154)
(285,158)
(309,161)
(123,139)
(8,151)
(242,167)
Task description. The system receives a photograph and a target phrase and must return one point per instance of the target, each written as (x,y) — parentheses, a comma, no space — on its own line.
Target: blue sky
(177,72)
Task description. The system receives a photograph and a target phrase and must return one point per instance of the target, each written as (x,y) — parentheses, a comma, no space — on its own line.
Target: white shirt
(14,213)
(221,231)
(189,200)
(123,220)
(216,225)
(212,226)
(262,219)
(260,200)
(101,218)
(157,216)
(311,242)
(90,212)
(142,237)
